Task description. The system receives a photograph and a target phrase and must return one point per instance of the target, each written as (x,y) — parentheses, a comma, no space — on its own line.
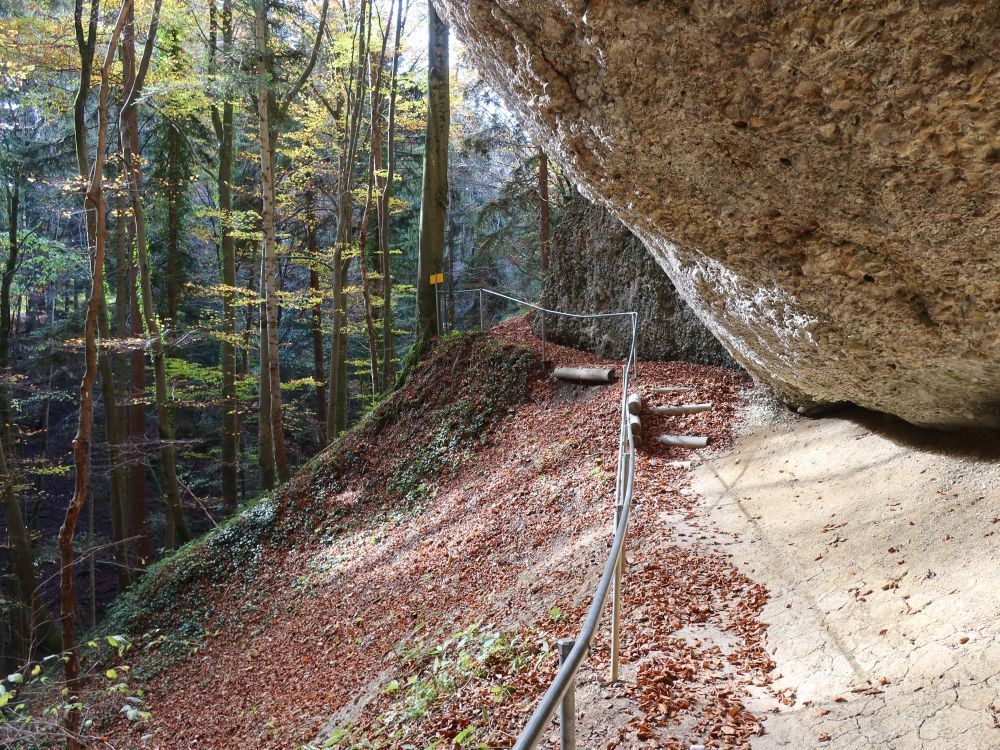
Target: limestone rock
(859,262)
(598,265)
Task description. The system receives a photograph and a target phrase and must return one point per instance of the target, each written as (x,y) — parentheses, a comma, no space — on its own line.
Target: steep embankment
(406,586)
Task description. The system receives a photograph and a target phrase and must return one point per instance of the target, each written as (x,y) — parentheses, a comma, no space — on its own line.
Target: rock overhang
(821,184)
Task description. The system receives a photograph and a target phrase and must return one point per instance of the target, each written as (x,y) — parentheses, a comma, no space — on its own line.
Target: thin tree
(375,76)
(222,122)
(383,209)
(81,443)
(336,404)
(434,197)
(135,76)
(316,308)
(269,133)
(113,421)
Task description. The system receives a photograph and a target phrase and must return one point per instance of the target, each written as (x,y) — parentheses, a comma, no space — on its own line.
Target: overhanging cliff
(819,180)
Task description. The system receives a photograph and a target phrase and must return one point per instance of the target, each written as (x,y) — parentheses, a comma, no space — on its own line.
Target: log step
(585,374)
(681,409)
(635,427)
(683,441)
(634,403)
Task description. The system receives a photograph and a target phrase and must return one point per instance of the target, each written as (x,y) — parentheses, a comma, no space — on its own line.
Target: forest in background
(243,183)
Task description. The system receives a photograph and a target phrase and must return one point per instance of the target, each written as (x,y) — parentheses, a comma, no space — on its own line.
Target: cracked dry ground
(878,542)
(515,542)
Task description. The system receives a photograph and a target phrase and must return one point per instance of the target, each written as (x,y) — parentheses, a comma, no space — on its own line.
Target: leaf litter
(431,618)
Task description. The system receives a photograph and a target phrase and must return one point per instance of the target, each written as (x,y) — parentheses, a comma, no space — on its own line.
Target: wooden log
(635,427)
(683,441)
(681,409)
(671,388)
(634,403)
(585,374)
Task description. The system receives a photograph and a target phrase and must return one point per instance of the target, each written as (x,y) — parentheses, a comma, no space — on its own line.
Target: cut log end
(683,441)
(588,375)
(634,403)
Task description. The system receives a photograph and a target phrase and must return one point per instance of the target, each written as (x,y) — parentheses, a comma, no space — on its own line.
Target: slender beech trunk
(543,207)
(138,501)
(452,242)
(336,420)
(319,368)
(81,443)
(265,435)
(269,271)
(114,433)
(375,76)
(173,223)
(434,198)
(365,292)
(114,427)
(223,122)
(384,206)
(6,281)
(177,531)
(41,625)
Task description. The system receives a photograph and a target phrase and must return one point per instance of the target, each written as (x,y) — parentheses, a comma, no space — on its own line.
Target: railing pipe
(572,651)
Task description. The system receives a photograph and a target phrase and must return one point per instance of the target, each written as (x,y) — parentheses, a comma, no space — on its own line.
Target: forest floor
(377,620)
(433,626)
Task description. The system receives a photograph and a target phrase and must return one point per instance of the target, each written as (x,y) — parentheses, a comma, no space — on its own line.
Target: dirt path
(880,545)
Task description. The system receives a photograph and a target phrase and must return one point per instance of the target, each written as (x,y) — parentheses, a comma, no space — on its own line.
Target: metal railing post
(616,602)
(481,328)
(567,709)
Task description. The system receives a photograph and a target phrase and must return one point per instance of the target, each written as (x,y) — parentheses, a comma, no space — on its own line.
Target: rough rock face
(820,180)
(598,265)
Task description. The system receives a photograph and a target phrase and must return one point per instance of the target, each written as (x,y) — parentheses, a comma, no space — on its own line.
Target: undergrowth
(433,672)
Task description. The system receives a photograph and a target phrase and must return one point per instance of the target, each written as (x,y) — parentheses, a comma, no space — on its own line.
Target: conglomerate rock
(598,265)
(819,179)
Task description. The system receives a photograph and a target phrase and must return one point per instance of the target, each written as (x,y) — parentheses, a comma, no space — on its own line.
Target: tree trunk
(269,272)
(81,443)
(384,207)
(434,199)
(173,223)
(6,281)
(42,628)
(365,293)
(114,428)
(319,367)
(265,439)
(177,531)
(543,207)
(113,431)
(230,402)
(336,415)
(452,242)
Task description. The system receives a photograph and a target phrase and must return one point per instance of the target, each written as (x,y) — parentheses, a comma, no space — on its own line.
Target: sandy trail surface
(880,547)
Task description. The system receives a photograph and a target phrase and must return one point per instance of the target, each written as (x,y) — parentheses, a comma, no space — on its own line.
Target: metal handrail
(570,664)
